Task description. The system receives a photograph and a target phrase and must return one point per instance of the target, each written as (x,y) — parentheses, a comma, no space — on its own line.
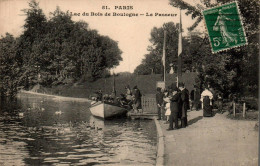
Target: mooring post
(234,108)
(244,110)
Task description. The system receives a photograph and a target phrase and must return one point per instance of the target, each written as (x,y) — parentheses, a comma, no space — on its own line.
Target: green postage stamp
(225,27)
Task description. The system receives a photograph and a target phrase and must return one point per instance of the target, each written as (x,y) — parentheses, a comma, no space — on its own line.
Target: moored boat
(107,110)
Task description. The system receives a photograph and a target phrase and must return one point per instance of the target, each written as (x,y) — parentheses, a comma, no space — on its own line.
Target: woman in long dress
(206,98)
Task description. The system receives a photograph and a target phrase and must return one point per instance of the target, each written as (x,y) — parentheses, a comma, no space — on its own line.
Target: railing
(234,104)
(149,104)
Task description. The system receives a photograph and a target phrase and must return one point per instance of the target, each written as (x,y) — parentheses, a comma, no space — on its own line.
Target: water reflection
(43,131)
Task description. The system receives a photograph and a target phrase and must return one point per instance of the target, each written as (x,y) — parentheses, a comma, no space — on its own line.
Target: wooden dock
(149,109)
(144,115)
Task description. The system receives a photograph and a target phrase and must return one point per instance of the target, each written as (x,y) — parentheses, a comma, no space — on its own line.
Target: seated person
(105,98)
(123,100)
(117,101)
(110,99)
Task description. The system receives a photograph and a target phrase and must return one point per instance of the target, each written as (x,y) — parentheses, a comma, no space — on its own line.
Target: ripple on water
(47,139)
(82,150)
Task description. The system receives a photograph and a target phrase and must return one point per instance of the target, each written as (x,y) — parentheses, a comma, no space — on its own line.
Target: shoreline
(160,144)
(56,97)
(198,141)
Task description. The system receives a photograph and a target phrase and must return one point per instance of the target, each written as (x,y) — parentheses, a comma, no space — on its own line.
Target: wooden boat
(107,110)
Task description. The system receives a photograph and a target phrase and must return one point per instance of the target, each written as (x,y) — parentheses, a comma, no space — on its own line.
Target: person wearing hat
(192,98)
(159,102)
(220,102)
(184,104)
(99,95)
(196,98)
(137,99)
(174,107)
(128,93)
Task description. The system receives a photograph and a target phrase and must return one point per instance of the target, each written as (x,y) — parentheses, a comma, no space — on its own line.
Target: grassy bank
(146,83)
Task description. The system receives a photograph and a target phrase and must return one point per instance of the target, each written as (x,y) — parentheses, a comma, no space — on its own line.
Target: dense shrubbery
(233,71)
(54,51)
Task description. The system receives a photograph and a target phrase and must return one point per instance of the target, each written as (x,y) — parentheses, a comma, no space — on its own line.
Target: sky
(131,33)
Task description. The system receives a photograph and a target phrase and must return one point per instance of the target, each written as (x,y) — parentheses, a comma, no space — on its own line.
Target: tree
(9,66)
(153,60)
(239,64)
(34,30)
(54,51)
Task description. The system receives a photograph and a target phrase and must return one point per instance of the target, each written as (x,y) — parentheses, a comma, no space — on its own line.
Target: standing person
(174,107)
(167,108)
(137,99)
(128,96)
(214,96)
(159,102)
(196,98)
(128,93)
(220,102)
(206,98)
(163,110)
(192,99)
(184,104)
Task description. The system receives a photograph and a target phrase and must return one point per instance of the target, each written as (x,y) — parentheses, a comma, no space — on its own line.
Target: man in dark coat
(159,102)
(192,99)
(197,98)
(137,99)
(99,95)
(220,102)
(174,107)
(184,104)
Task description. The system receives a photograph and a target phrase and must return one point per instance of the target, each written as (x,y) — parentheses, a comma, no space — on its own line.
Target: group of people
(130,100)
(174,103)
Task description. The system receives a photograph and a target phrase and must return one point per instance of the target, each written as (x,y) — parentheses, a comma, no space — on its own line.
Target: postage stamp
(224,27)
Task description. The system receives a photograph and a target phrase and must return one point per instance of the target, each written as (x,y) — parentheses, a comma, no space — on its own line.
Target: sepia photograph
(129,82)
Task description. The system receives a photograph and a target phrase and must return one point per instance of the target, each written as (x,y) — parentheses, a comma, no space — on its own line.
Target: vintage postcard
(129,82)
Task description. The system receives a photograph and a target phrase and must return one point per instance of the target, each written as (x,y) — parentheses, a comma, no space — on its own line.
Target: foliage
(59,51)
(152,63)
(236,70)
(146,84)
(9,66)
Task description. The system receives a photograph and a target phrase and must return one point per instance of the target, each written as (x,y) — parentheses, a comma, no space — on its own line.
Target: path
(215,141)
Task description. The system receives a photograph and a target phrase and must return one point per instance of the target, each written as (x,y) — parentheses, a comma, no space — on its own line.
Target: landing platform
(144,115)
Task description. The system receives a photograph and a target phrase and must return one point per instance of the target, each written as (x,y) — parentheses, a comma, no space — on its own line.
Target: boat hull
(105,110)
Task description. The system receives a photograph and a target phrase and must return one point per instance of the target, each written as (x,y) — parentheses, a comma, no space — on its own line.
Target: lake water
(38,130)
